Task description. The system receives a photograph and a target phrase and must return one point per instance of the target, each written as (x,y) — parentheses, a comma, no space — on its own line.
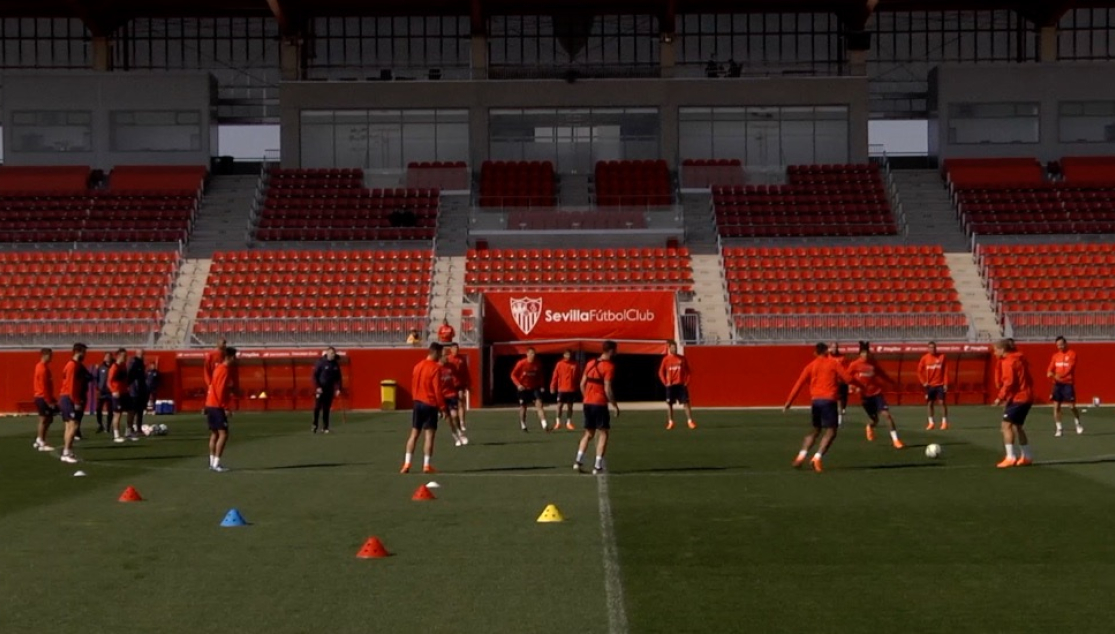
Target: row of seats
(575,220)
(317,234)
(310,323)
(633,183)
(808,230)
(329,282)
(705,173)
(828,280)
(22,178)
(309,256)
(139,178)
(576,265)
(1048,278)
(571,255)
(796,304)
(311,299)
(517,184)
(537,269)
(449,175)
(282,268)
(838,252)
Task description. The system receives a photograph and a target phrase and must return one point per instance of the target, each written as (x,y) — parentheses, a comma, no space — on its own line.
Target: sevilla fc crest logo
(526,312)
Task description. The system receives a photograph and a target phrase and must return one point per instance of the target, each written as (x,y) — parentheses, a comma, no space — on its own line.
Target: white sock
(212,460)
(216,461)
(839,420)
(802,454)
(1077,421)
(599,462)
(580,457)
(568,421)
(931,420)
(894,434)
(544,423)
(817,456)
(1010,452)
(1026,452)
(426,461)
(407,458)
(944,420)
(1058,423)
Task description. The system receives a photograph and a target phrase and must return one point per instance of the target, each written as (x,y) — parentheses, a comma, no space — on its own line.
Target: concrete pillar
(102,53)
(857,63)
(290,58)
(667,56)
(479,56)
(1047,44)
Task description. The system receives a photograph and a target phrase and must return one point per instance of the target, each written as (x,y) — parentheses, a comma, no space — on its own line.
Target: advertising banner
(578,315)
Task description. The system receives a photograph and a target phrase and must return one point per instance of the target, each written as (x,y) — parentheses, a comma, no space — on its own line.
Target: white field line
(613,583)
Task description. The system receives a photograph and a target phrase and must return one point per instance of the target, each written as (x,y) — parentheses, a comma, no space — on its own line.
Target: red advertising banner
(578,315)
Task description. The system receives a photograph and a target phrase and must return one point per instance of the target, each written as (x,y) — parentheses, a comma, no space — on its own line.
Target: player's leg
(816,415)
(69,433)
(219,448)
(1057,416)
(1007,430)
(601,450)
(412,440)
(428,449)
(117,423)
(688,410)
(317,412)
(1026,458)
(930,402)
(45,419)
(462,405)
(1070,398)
(540,407)
(212,444)
(828,421)
(885,409)
(139,406)
(326,408)
(523,403)
(870,407)
(944,409)
(582,446)
(669,408)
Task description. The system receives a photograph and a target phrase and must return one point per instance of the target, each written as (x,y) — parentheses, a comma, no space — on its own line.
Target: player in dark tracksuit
(104,395)
(327,384)
(152,383)
(137,392)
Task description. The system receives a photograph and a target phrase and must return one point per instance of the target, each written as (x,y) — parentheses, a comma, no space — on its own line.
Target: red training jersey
(1018,386)
(75,382)
(44,382)
(824,376)
(597,373)
(425,384)
(1062,365)
(931,370)
(448,380)
(869,376)
(565,377)
(527,374)
(117,378)
(674,370)
(445,334)
(219,394)
(213,359)
(460,364)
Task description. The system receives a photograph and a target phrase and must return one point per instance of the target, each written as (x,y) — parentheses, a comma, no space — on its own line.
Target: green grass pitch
(711,530)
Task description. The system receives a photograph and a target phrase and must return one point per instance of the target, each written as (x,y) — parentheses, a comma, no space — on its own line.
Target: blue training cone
(233,518)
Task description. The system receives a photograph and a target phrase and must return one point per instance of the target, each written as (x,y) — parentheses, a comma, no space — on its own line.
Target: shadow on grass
(701,469)
(904,465)
(315,465)
(507,469)
(1071,461)
(142,458)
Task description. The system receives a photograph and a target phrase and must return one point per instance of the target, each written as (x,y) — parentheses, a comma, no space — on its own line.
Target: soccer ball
(148,430)
(161,429)
(933,451)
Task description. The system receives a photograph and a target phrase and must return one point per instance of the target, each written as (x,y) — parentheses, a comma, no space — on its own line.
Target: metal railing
(470,329)
(689,325)
(39,333)
(895,327)
(1087,326)
(382,331)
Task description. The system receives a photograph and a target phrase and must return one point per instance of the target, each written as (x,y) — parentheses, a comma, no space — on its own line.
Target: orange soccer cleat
(798,461)
(929,427)
(669,425)
(897,444)
(1024,462)
(428,469)
(406,468)
(570,426)
(870,431)
(944,426)
(692,425)
(1007,462)
(816,464)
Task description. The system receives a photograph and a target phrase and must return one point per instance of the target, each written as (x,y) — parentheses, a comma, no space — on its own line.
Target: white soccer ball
(147,429)
(933,451)
(161,429)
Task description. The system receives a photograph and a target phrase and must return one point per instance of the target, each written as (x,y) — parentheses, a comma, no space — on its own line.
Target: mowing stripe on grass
(613,583)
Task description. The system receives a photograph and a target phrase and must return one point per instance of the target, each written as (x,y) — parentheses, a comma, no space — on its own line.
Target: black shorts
(121,403)
(1015,413)
(530,396)
(842,392)
(567,397)
(44,408)
(217,419)
(875,404)
(597,417)
(70,411)
(677,394)
(934,393)
(826,414)
(1063,393)
(452,403)
(424,417)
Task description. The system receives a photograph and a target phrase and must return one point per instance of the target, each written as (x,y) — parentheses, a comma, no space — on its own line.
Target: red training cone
(423,493)
(130,495)
(373,549)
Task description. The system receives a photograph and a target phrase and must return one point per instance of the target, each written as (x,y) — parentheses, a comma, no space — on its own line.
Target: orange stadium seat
(517,184)
(633,183)
(581,269)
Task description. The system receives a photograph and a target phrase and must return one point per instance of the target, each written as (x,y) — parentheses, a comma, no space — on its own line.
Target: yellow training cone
(551,514)
(263,395)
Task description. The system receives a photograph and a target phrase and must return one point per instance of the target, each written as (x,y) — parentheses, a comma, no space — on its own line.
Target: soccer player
(842,389)
(137,393)
(118,388)
(563,383)
(104,395)
(1061,369)
(446,333)
(218,407)
(425,387)
(932,376)
(152,384)
(327,385)
(673,372)
(45,402)
(824,375)
(527,377)
(1017,394)
(869,377)
(75,386)
(451,392)
(596,386)
(460,363)
(213,358)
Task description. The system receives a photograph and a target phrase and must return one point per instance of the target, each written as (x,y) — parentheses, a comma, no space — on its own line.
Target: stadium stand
(370,295)
(102,296)
(575,220)
(442,175)
(581,269)
(333,204)
(143,204)
(517,184)
(818,200)
(641,183)
(899,287)
(706,173)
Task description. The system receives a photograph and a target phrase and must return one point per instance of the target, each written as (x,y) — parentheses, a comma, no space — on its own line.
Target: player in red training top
(564,385)
(451,391)
(842,393)
(429,403)
(213,358)
(218,407)
(460,362)
(869,377)
(75,387)
(527,377)
(932,375)
(446,333)
(823,375)
(596,386)
(1017,394)
(1062,369)
(45,403)
(674,373)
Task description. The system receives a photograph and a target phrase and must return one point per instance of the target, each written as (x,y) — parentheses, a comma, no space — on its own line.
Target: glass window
(155,130)
(574,139)
(993,123)
(765,136)
(382,139)
(52,131)
(1086,121)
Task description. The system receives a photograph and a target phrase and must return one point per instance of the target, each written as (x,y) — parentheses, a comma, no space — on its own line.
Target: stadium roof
(103,16)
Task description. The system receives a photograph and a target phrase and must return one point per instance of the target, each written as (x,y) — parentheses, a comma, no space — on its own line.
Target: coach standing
(327,384)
